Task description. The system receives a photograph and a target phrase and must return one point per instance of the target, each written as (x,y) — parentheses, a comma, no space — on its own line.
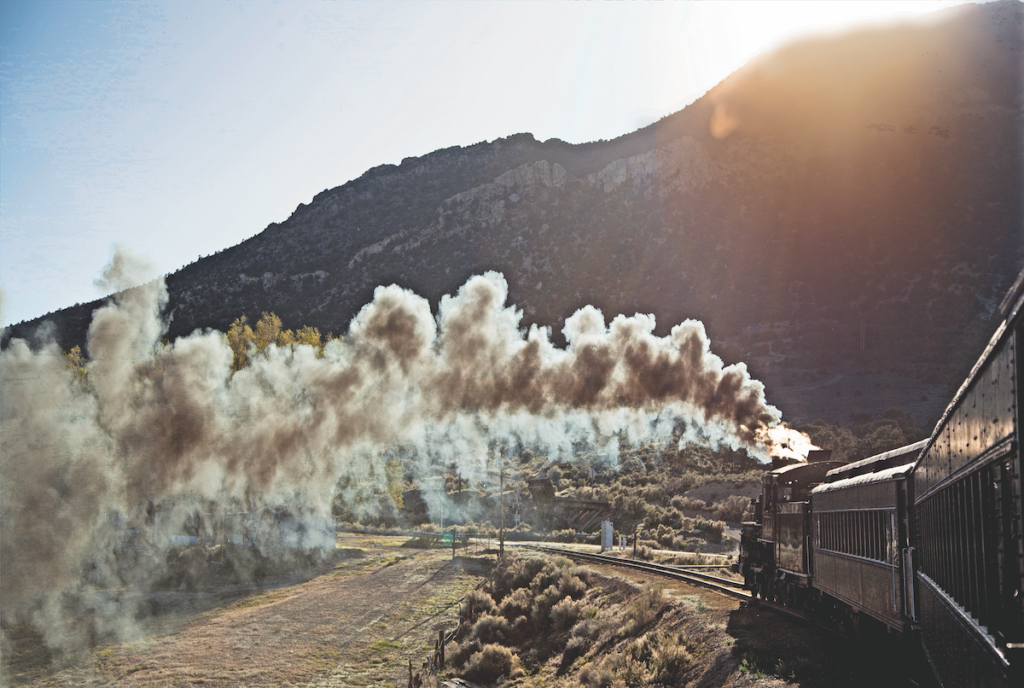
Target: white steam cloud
(158,423)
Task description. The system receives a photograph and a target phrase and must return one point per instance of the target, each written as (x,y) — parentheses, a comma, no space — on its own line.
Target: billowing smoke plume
(154,422)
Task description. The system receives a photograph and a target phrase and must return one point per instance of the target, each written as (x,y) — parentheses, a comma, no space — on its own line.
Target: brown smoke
(156,422)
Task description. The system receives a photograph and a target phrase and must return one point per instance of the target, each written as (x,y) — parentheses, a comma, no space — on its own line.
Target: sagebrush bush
(571,586)
(643,610)
(652,659)
(491,629)
(474,604)
(576,647)
(589,628)
(491,663)
(732,508)
(459,653)
(582,572)
(521,572)
(546,577)
(671,661)
(567,535)
(712,529)
(516,604)
(684,504)
(543,603)
(565,613)
(597,676)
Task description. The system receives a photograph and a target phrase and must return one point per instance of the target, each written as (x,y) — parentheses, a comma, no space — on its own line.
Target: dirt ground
(362,621)
(357,624)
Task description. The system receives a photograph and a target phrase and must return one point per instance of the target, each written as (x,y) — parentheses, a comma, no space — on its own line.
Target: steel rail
(720,585)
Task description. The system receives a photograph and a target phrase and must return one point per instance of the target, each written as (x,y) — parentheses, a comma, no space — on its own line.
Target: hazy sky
(181,128)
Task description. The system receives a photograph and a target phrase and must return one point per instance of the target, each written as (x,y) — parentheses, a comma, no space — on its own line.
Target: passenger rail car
(967,511)
(925,540)
(861,543)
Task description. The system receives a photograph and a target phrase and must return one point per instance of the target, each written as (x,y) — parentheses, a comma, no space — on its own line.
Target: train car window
(977,559)
(873,540)
(883,536)
(858,549)
(860,533)
(877,536)
(956,520)
(880,536)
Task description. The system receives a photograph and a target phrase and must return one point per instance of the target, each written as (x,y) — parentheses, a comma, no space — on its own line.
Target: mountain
(844,214)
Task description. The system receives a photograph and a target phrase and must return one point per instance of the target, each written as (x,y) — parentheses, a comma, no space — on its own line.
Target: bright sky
(181,128)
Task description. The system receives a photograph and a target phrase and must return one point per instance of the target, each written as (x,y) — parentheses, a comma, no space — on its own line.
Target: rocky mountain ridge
(844,216)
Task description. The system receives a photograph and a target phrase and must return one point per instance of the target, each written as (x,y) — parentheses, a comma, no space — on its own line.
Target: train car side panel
(857,548)
(968,514)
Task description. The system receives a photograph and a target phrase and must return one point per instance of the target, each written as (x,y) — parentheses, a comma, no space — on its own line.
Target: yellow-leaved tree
(75,362)
(245,342)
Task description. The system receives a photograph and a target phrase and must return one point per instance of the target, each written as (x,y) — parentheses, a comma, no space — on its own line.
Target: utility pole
(634,539)
(501,505)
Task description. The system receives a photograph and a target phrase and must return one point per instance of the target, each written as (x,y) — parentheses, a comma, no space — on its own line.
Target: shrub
(651,659)
(712,529)
(582,572)
(644,609)
(567,535)
(491,663)
(597,677)
(565,613)
(671,661)
(575,648)
(491,629)
(589,628)
(543,603)
(688,503)
(732,508)
(516,604)
(571,586)
(521,572)
(475,603)
(653,493)
(547,576)
(460,653)
(644,552)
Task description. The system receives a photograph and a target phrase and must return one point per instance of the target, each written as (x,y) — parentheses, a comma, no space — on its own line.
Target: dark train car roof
(797,471)
(889,459)
(848,481)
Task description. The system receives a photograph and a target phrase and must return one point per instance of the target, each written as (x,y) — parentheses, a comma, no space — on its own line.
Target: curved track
(720,585)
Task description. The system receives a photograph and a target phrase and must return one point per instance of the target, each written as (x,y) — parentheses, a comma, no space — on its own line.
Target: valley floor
(363,621)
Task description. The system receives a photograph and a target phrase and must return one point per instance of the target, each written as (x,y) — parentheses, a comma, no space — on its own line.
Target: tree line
(247,343)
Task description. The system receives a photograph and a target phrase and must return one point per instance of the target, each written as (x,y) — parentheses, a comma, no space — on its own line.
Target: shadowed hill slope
(844,214)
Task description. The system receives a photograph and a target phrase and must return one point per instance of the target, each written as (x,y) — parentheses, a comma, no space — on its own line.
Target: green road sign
(446,539)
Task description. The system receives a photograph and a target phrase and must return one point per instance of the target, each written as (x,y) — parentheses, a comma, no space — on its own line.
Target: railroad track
(720,585)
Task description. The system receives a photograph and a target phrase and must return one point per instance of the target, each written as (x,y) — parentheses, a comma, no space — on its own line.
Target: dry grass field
(364,619)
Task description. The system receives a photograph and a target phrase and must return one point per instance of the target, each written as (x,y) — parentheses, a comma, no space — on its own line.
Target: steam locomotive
(924,541)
